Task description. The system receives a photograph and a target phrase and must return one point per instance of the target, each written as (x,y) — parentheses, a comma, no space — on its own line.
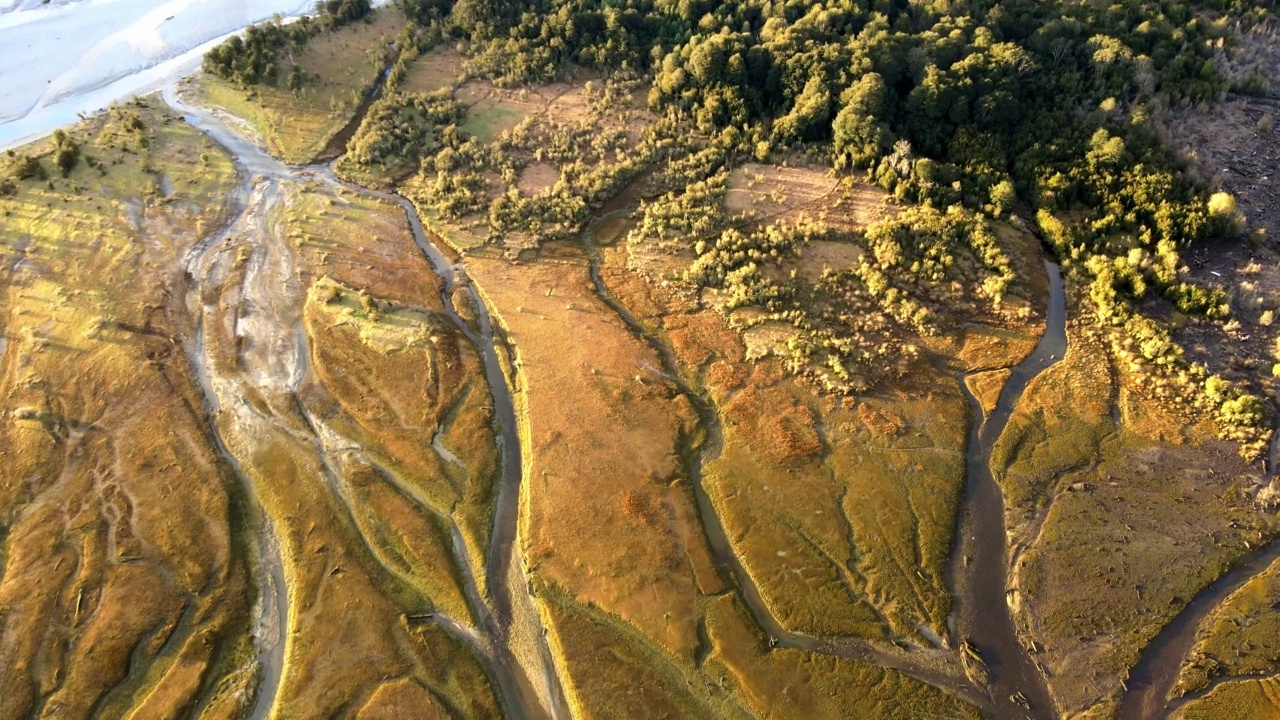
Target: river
(980,563)
(62,60)
(527,683)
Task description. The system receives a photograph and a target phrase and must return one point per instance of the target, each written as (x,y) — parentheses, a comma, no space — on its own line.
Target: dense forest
(982,107)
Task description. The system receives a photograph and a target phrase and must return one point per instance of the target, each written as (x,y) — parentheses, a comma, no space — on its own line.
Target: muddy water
(931,666)
(980,574)
(512,642)
(1157,670)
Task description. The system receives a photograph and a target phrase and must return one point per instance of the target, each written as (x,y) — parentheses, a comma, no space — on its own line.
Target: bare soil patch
(436,69)
(538,178)
(1228,145)
(772,193)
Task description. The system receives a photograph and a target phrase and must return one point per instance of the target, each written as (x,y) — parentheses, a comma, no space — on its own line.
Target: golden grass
(362,550)
(340,68)
(985,347)
(1241,700)
(1117,527)
(394,698)
(1057,427)
(1240,637)
(841,511)
(602,435)
(537,178)
(854,539)
(125,576)
(785,684)
(386,352)
(986,386)
(126,587)
(611,671)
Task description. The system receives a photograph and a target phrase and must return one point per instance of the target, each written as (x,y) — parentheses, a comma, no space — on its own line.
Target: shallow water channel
(981,570)
(933,666)
(527,683)
(1157,670)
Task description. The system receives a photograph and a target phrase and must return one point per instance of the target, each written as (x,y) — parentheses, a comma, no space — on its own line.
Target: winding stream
(931,666)
(271,620)
(513,611)
(527,686)
(1150,681)
(979,563)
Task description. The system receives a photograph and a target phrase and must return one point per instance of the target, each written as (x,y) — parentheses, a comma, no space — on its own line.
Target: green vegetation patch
(397,133)
(1245,700)
(488,119)
(434,70)
(338,68)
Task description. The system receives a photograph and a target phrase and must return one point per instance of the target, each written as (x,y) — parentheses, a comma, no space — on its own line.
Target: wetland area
(376,370)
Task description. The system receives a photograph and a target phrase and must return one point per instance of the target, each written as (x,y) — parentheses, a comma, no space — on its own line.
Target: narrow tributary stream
(980,566)
(529,686)
(932,666)
(513,612)
(526,681)
(1157,670)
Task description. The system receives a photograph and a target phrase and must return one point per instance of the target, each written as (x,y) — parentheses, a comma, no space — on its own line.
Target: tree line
(985,105)
(254,58)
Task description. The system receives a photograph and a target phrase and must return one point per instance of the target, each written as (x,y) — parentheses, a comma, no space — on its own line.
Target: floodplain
(533,404)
